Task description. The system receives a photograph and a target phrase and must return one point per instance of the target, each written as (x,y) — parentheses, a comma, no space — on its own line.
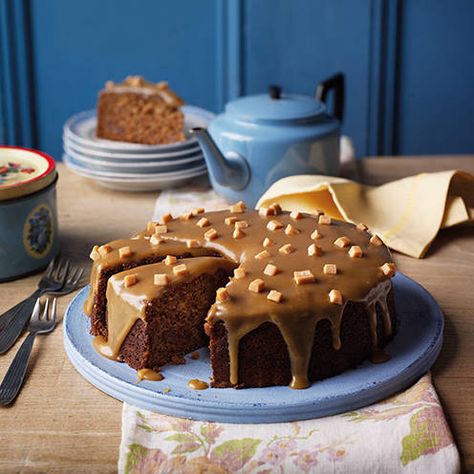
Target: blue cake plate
(414,350)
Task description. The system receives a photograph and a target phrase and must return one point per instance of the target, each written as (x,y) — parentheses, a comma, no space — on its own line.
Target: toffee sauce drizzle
(302,306)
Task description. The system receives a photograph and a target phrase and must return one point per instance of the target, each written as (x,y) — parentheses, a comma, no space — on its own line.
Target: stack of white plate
(131,166)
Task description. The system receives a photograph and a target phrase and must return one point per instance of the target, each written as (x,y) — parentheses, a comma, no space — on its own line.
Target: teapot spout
(231,170)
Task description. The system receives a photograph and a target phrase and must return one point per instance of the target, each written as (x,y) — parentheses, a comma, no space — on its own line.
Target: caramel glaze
(148,374)
(301,307)
(197,384)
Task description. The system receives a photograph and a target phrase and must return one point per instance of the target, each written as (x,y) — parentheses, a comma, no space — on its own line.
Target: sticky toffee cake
(139,111)
(280,298)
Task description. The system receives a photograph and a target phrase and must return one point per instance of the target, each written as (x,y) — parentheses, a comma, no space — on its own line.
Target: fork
(16,318)
(15,375)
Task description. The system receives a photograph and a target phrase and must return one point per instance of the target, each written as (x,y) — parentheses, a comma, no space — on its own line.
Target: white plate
(81,128)
(75,166)
(134,166)
(116,156)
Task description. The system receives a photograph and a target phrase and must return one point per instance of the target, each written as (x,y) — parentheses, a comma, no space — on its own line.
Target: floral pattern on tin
(38,231)
(14,172)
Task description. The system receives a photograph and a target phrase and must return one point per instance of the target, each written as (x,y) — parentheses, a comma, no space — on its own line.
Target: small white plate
(81,128)
(77,167)
(116,156)
(135,166)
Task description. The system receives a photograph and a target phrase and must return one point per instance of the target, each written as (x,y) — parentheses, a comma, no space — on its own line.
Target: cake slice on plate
(139,111)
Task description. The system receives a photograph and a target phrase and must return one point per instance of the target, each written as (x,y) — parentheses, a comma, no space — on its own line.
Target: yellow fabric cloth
(407,214)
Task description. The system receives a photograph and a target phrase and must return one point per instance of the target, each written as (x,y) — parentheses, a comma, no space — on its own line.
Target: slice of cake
(155,313)
(139,111)
(308,298)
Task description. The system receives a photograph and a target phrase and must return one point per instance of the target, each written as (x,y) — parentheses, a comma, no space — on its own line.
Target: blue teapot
(260,139)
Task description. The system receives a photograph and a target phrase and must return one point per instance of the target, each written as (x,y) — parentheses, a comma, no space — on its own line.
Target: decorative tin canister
(28,215)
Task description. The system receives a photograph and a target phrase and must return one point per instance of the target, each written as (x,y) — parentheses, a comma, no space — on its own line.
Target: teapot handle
(335,83)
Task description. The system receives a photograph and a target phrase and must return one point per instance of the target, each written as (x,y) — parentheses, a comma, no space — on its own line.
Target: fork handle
(15,375)
(9,314)
(17,320)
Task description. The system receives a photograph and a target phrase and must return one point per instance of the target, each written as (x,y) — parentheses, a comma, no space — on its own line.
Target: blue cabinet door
(409,64)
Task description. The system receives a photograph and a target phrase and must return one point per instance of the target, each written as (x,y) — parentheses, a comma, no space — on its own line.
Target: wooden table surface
(60,423)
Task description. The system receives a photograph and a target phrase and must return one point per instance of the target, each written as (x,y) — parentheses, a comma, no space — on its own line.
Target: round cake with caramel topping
(279,298)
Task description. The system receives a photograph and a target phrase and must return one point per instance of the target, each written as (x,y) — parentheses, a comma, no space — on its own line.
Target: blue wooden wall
(409,63)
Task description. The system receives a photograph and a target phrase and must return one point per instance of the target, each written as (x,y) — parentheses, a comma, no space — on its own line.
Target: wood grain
(60,423)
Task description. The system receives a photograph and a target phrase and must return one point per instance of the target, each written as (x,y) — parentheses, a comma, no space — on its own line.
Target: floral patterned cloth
(406,433)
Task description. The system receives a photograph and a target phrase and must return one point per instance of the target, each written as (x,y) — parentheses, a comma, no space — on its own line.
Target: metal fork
(15,375)
(16,318)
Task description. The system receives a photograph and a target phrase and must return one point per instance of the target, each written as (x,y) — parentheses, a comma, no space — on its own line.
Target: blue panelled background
(409,63)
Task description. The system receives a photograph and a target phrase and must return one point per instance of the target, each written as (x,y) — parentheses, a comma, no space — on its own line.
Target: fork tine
(44,317)
(52,315)
(49,269)
(78,276)
(36,310)
(64,272)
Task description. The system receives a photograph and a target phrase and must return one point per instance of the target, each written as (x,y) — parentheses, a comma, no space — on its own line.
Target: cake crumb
(195,355)
(161,229)
(166,390)
(178,360)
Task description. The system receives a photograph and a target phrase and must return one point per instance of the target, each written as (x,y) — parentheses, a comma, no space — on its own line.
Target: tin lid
(24,171)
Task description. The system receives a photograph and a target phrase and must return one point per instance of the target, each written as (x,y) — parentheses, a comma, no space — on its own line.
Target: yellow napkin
(407,214)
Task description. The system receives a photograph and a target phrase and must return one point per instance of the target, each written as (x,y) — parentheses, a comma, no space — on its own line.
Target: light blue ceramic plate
(414,350)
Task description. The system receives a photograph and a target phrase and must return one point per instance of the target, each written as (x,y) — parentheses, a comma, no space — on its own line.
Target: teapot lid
(275,106)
